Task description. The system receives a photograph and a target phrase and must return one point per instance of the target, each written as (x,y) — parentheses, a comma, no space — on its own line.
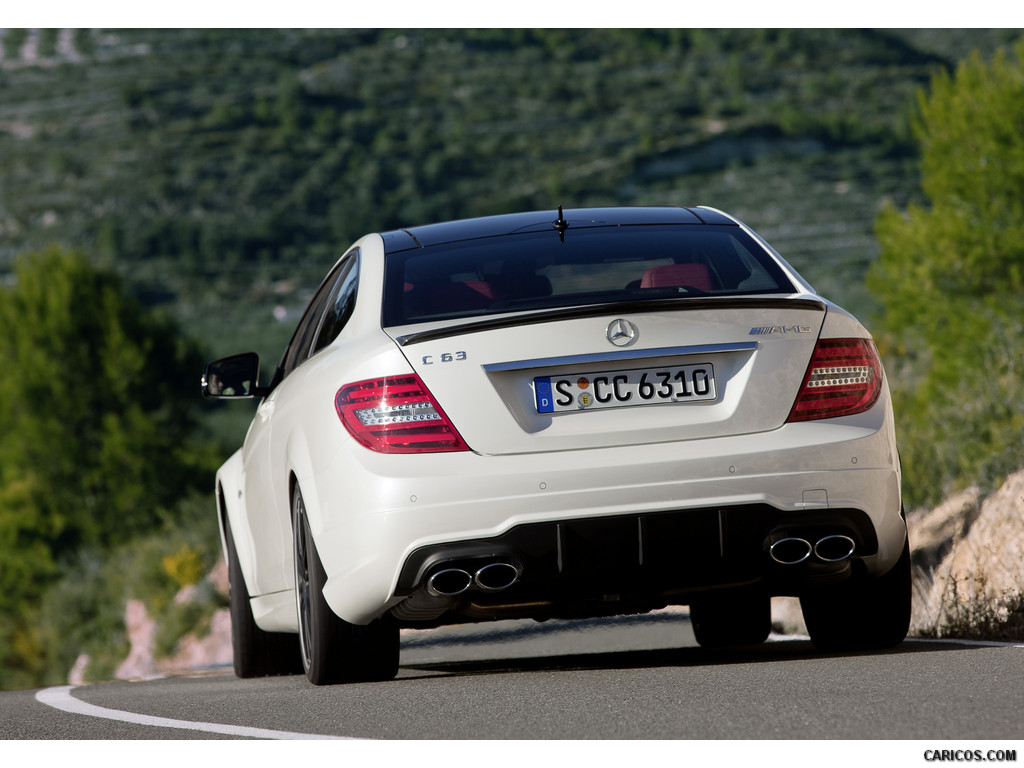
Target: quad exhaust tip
(790,551)
(834,549)
(493,577)
(449,582)
(829,549)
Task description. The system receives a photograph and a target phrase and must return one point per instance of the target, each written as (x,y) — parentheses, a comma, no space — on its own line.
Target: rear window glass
(592,266)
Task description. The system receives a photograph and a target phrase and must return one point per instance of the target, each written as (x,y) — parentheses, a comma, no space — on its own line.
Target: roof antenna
(561,225)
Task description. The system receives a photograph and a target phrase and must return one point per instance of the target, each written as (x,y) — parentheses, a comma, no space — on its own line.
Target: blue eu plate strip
(542,391)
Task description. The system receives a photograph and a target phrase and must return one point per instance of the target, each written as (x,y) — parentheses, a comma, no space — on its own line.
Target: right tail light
(844,377)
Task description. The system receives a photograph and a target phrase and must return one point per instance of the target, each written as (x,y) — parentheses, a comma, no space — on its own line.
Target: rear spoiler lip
(614,308)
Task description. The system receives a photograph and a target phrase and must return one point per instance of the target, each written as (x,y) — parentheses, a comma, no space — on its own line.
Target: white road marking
(60,698)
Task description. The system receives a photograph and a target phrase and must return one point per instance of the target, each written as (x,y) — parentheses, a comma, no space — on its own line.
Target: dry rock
(981,569)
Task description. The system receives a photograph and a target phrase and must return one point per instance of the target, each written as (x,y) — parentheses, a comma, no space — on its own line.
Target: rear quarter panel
(304,433)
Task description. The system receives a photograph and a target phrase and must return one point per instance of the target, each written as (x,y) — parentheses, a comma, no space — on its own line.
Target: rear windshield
(592,266)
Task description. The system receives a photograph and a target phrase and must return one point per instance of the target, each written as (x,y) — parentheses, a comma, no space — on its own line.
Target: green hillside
(221,172)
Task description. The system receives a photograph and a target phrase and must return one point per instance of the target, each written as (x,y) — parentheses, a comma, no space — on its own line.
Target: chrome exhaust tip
(835,548)
(449,582)
(495,577)
(790,551)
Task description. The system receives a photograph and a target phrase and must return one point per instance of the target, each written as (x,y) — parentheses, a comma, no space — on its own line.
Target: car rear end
(606,412)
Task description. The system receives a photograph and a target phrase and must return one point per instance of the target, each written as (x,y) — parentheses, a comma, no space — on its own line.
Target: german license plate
(617,389)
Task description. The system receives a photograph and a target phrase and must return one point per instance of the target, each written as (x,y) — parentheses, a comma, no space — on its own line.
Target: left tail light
(396,414)
(843,378)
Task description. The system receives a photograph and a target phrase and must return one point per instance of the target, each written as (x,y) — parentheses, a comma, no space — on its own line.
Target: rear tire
(862,614)
(256,653)
(745,620)
(332,649)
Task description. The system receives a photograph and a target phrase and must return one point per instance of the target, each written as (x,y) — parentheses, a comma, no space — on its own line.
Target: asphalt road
(628,678)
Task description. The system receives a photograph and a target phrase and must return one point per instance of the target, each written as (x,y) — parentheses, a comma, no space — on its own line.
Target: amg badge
(764,330)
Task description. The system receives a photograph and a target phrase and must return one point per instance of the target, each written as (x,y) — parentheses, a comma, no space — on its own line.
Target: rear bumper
(667,520)
(626,563)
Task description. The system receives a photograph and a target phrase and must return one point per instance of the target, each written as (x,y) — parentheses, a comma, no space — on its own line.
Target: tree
(96,402)
(950,279)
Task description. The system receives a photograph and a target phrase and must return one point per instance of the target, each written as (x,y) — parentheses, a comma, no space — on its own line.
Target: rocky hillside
(968,557)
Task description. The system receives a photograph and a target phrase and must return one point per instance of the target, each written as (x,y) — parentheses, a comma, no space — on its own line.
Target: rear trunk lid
(617,375)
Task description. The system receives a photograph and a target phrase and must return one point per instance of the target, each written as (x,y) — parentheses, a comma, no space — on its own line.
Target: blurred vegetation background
(168,196)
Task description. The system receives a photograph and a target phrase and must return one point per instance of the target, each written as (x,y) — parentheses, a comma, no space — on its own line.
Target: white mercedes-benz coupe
(556,415)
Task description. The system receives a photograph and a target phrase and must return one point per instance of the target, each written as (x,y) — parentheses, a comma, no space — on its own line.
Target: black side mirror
(233,377)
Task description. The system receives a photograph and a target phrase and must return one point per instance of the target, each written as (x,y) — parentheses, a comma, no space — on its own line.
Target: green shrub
(950,281)
(84,610)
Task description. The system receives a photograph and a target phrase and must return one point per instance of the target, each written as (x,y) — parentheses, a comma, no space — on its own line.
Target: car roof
(539,221)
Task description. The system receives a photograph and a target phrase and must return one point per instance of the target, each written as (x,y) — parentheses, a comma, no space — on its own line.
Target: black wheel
(745,620)
(862,614)
(256,653)
(333,650)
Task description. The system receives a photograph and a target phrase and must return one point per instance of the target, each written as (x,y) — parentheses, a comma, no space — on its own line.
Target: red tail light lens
(844,378)
(396,415)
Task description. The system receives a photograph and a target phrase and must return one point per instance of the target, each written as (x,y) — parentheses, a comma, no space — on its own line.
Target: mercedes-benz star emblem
(622,333)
